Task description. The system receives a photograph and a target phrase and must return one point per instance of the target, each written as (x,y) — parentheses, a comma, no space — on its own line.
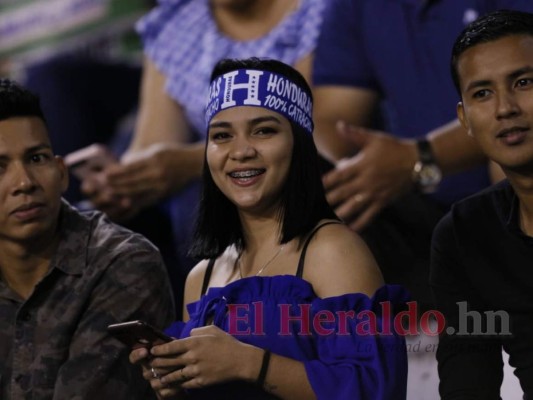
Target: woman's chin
(255,206)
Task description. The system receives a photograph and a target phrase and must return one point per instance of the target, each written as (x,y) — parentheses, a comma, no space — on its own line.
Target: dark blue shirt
(402,49)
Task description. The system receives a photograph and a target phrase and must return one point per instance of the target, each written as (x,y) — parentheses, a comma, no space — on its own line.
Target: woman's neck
(251,19)
(260,232)
(262,246)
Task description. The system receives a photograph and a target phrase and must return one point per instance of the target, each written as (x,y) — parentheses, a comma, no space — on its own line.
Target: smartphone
(138,334)
(89,160)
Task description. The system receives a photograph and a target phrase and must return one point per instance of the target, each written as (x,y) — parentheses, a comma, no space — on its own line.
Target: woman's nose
(242,149)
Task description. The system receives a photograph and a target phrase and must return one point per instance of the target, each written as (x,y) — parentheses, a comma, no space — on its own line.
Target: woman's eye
(265,131)
(220,136)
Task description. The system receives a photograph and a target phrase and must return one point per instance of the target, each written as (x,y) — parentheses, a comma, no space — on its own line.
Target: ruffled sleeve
(359,354)
(175,329)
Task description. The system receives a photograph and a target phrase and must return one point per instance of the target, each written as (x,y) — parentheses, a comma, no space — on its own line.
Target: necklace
(263,267)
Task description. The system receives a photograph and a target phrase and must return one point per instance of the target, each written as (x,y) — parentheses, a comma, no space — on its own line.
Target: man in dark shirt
(482,255)
(64,276)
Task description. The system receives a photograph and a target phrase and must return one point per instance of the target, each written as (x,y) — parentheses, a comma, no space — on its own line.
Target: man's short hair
(17,101)
(488,28)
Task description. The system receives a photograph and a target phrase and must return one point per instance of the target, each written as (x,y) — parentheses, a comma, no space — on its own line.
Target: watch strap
(425,154)
(426,173)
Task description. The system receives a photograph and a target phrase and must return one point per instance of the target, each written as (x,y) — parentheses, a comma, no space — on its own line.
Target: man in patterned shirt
(64,276)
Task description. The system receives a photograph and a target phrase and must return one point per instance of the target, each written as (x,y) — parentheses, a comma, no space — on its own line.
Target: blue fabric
(401,49)
(183,40)
(349,366)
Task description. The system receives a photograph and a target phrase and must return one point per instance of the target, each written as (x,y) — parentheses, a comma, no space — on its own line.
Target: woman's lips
(246,177)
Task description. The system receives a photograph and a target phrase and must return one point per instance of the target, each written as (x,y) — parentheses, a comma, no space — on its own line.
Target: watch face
(426,177)
(429,178)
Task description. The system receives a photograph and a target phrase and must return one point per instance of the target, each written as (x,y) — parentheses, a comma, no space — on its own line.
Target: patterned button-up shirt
(54,344)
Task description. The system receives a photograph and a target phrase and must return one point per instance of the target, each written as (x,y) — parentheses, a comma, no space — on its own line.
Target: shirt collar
(513,217)
(513,213)
(70,256)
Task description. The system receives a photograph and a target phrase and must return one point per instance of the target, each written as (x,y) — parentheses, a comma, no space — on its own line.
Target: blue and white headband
(249,87)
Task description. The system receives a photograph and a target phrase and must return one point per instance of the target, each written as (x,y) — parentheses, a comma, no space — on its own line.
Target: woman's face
(249,153)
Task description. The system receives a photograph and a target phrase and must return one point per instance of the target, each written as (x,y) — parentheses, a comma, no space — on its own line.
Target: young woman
(286,303)
(183,41)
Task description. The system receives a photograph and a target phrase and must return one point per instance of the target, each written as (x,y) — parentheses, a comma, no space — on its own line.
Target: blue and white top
(183,40)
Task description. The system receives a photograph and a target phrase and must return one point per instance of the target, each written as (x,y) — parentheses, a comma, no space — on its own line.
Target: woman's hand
(153,375)
(209,356)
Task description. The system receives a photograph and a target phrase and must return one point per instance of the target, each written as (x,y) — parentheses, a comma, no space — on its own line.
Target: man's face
(31,181)
(497,99)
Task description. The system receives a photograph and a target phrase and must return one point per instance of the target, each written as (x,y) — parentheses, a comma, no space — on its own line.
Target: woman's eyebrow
(219,124)
(254,121)
(269,118)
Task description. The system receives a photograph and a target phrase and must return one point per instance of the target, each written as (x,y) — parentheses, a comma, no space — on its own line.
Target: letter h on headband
(248,87)
(252,88)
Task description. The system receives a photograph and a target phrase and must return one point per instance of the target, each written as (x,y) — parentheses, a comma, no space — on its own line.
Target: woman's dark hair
(16,101)
(488,28)
(303,201)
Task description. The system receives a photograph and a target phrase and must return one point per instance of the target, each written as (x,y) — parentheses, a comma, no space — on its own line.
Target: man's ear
(462,118)
(63,171)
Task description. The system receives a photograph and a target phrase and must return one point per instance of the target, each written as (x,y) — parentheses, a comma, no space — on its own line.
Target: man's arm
(454,150)
(134,286)
(377,167)
(354,106)
(470,367)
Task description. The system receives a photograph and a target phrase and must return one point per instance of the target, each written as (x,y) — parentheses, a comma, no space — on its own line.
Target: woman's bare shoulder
(196,276)
(338,261)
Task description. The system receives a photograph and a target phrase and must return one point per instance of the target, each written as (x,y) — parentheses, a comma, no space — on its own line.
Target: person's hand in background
(361,186)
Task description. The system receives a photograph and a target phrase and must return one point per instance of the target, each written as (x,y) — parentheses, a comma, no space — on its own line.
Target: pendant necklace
(263,267)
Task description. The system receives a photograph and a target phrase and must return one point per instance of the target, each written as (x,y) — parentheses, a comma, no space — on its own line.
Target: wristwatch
(426,173)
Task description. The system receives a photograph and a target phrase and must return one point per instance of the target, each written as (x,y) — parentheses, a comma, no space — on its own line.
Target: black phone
(138,334)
